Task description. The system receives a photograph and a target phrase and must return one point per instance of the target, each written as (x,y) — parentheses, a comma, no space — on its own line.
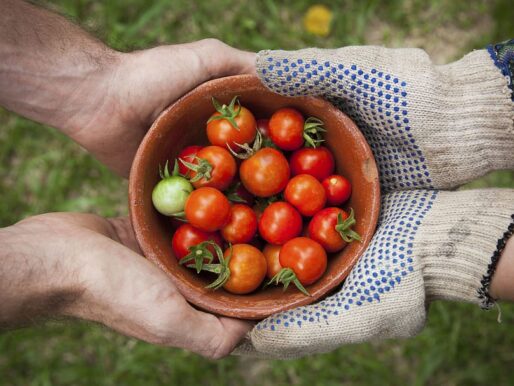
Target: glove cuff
(468,126)
(503,56)
(461,242)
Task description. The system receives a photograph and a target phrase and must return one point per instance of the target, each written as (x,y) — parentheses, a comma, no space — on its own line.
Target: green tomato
(170,194)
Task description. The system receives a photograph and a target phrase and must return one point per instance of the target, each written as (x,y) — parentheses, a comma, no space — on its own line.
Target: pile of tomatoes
(259,181)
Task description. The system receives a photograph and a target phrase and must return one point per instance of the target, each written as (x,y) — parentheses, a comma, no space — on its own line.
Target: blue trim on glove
(503,56)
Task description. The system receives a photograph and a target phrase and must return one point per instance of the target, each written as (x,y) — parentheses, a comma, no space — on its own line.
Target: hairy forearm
(33,284)
(50,69)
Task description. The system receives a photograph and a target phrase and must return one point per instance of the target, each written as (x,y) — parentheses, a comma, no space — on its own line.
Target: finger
(212,336)
(124,233)
(295,73)
(219,59)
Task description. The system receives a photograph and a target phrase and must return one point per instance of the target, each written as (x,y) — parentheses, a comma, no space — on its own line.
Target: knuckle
(212,42)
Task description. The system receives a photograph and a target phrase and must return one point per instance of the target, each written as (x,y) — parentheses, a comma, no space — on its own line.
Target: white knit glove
(429,127)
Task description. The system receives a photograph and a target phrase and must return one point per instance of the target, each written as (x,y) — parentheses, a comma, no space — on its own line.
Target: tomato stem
(202,168)
(287,276)
(312,132)
(343,227)
(227,112)
(232,195)
(198,253)
(262,203)
(222,269)
(247,150)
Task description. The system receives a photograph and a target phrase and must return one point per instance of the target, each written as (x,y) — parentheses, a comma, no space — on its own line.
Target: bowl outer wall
(183,124)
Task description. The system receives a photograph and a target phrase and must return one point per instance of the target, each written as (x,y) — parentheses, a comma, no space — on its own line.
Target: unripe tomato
(171,193)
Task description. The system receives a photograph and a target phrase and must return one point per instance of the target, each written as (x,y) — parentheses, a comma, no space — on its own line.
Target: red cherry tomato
(306,194)
(271,253)
(247,269)
(242,225)
(188,155)
(338,189)
(305,257)
(323,229)
(221,132)
(286,128)
(187,236)
(280,222)
(265,173)
(207,209)
(263,127)
(216,162)
(318,162)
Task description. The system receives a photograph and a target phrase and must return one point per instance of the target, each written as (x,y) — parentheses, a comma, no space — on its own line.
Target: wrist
(458,240)
(89,97)
(501,269)
(36,280)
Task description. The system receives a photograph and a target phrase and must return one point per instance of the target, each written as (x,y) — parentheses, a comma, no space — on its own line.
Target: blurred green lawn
(42,171)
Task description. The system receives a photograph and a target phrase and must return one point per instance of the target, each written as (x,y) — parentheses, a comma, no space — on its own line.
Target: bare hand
(142,84)
(88,267)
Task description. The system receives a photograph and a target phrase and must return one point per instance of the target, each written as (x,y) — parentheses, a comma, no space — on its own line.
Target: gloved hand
(429,127)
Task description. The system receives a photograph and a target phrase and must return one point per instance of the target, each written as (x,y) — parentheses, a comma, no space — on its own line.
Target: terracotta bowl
(183,124)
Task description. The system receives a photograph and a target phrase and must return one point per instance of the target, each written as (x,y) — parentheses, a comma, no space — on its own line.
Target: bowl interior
(183,124)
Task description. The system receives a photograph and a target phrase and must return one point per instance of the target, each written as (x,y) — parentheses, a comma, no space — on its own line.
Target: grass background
(43,171)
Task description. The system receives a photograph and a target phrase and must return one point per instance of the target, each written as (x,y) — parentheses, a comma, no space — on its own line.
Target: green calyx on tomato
(313,132)
(233,195)
(343,227)
(199,255)
(247,151)
(170,194)
(229,112)
(202,169)
(262,203)
(222,269)
(287,276)
(165,173)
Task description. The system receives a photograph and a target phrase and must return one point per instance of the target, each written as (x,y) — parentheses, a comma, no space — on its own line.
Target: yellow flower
(317,20)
